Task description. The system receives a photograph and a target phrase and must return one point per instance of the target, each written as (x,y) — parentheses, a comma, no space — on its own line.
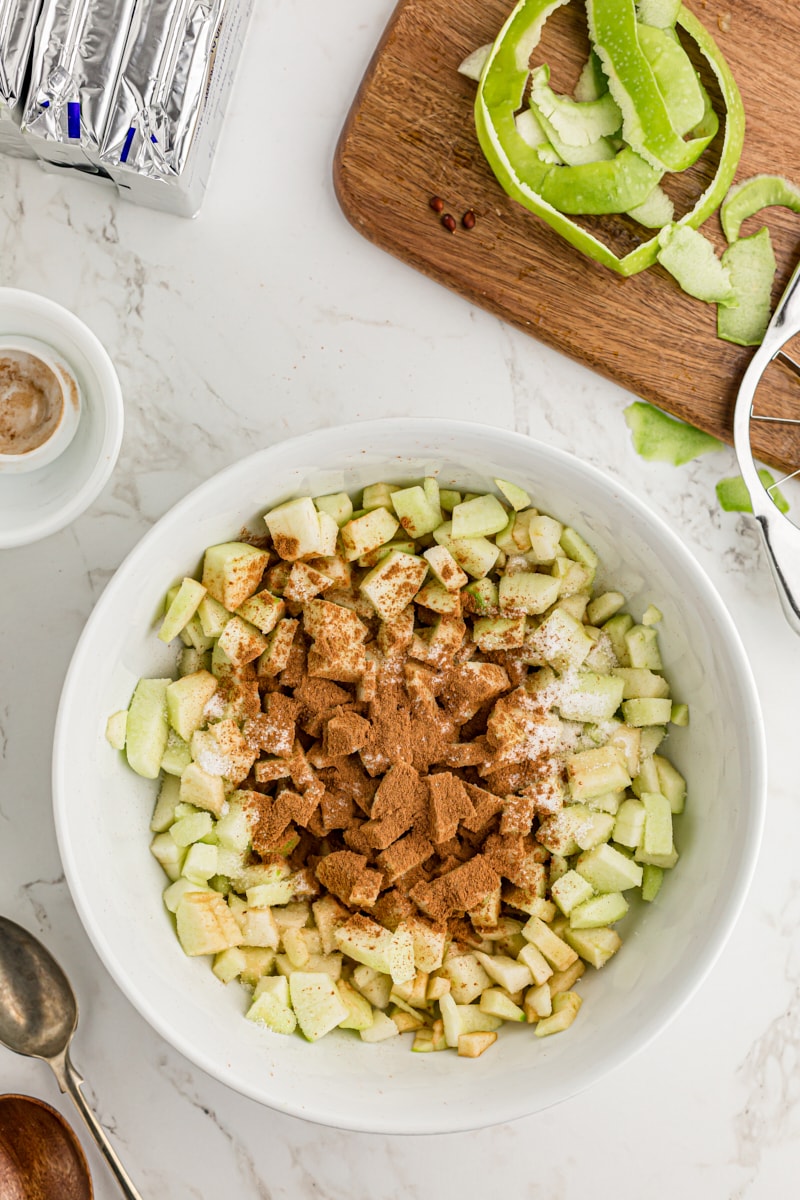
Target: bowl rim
(755,817)
(109,399)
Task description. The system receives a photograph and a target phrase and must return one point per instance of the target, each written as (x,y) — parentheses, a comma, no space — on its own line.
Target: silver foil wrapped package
(17,26)
(176,75)
(74,66)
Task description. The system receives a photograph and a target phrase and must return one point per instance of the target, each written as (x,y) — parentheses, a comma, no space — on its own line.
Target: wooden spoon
(40,1156)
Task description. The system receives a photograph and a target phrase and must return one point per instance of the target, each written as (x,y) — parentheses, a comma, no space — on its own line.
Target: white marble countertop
(267,316)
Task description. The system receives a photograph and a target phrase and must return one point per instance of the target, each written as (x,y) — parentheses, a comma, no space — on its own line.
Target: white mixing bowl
(102,809)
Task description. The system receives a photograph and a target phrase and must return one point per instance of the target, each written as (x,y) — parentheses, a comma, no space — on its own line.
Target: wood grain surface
(410,135)
(40,1156)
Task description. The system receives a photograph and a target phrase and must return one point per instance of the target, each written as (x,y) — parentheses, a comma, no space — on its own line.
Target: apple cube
(480,517)
(595,946)
(164,811)
(187,698)
(374,985)
(596,772)
(417,514)
(317,1003)
(294,528)
(545,535)
(591,697)
(363,534)
(147,727)
(558,954)
(562,641)
(168,854)
(116,728)
(607,870)
(182,608)
(338,505)
(382,1027)
(262,610)
(232,571)
(527,592)
(393,583)
(598,911)
(445,568)
(507,972)
(205,924)
(516,496)
(268,1010)
(565,1009)
(360,1014)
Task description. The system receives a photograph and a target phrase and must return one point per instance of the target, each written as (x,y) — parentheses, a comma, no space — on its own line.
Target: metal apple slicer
(781,536)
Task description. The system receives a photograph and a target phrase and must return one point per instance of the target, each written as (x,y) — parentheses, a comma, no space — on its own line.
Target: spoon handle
(70,1081)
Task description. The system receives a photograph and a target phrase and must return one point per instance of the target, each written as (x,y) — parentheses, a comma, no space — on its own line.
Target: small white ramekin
(36,503)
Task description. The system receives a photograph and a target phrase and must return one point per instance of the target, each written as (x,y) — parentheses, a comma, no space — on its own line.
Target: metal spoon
(38,1016)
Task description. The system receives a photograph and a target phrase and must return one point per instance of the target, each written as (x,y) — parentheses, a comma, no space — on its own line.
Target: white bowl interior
(103,809)
(37,503)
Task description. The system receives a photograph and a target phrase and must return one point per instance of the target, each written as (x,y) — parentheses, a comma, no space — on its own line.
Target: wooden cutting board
(410,135)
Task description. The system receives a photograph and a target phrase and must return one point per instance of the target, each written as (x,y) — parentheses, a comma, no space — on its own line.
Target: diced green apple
(607,870)
(242,642)
(205,924)
(570,890)
(363,534)
(359,1010)
(182,609)
(480,517)
(116,727)
(652,879)
(565,1009)
(268,1010)
(415,511)
(562,641)
(338,505)
(232,572)
(295,530)
(516,496)
(168,798)
(262,610)
(168,854)
(200,862)
(556,951)
(147,727)
(213,616)
(598,911)
(595,946)
(646,712)
(527,592)
(657,837)
(186,701)
(177,755)
(497,1003)
(545,536)
(591,697)
(377,495)
(629,825)
(317,1003)
(508,973)
(603,607)
(596,772)
(382,1027)
(393,583)
(642,644)
(670,783)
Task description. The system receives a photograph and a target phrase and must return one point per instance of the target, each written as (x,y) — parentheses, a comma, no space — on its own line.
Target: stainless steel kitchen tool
(781,536)
(38,1016)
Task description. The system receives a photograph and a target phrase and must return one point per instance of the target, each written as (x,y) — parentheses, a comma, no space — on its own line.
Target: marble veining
(266,316)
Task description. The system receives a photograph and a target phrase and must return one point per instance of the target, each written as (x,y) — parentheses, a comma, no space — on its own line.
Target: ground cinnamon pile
(397,767)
